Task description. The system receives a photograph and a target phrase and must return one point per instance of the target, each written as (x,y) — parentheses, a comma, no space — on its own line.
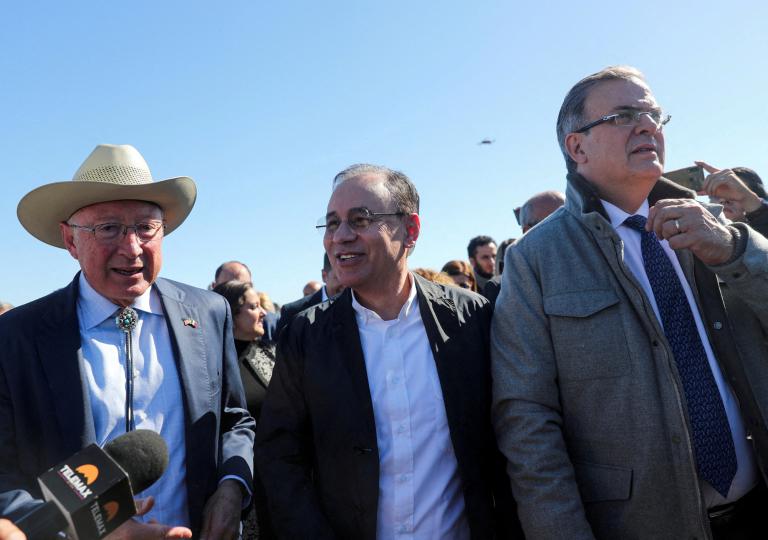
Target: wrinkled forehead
(368,190)
(119,210)
(617,94)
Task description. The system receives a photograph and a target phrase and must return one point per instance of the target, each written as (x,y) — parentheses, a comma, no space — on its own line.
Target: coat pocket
(587,334)
(599,483)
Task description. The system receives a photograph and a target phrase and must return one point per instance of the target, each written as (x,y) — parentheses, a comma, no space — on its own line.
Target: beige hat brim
(42,209)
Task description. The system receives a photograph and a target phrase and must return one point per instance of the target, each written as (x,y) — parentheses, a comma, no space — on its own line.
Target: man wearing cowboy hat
(119,349)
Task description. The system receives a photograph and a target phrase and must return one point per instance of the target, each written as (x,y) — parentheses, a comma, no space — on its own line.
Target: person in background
(256,359)
(329,290)
(238,271)
(5,306)
(539,207)
(311,288)
(741,192)
(434,276)
(482,255)
(461,273)
(229,271)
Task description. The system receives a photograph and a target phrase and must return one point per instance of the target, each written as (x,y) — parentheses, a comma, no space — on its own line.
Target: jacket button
(655,343)
(676,439)
(717,325)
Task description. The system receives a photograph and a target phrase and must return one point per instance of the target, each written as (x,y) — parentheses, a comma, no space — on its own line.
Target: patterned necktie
(712,439)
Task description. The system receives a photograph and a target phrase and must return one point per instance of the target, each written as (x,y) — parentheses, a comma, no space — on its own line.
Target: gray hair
(571,115)
(399,185)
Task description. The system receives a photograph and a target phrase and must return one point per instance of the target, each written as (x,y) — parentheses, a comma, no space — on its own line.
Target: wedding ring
(677,226)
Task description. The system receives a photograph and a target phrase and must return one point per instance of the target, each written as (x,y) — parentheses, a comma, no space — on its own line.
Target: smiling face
(623,162)
(373,259)
(249,320)
(124,269)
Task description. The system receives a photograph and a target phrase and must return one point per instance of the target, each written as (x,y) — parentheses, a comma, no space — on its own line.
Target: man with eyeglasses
(120,349)
(625,400)
(377,420)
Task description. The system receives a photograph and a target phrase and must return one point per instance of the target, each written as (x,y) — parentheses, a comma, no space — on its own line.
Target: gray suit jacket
(588,406)
(45,414)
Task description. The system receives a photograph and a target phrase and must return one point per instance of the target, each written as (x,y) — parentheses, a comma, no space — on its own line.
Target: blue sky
(262,103)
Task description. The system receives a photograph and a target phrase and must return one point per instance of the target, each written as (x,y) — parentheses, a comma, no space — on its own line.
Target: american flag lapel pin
(190,322)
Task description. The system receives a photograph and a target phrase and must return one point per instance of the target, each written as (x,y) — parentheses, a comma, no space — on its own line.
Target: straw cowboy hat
(110,173)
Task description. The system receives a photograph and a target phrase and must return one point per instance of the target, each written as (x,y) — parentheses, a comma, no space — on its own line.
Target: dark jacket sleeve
(284,447)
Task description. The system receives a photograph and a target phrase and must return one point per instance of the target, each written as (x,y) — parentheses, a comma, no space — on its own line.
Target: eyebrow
(355,209)
(620,108)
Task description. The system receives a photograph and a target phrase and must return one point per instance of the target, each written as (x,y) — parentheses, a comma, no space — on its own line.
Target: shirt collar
(95,308)
(617,215)
(367,315)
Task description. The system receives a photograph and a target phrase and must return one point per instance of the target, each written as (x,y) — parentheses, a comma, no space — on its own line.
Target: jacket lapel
(189,350)
(58,348)
(347,335)
(438,314)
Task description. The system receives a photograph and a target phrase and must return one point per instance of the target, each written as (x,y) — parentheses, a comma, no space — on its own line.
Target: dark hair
(461,268)
(326,263)
(399,185)
(234,291)
(500,254)
(571,116)
(220,269)
(753,181)
(477,242)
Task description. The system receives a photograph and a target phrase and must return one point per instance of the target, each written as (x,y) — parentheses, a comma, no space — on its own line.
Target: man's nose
(129,242)
(344,233)
(646,124)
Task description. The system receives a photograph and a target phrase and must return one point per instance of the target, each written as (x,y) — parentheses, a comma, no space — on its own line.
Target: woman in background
(461,273)
(256,359)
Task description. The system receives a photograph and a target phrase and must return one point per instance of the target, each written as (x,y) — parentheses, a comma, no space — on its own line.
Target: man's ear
(412,229)
(573,146)
(68,237)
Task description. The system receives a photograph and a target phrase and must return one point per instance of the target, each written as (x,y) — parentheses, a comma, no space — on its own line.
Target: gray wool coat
(587,404)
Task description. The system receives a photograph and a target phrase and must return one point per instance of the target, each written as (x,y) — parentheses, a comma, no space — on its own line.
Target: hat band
(115,174)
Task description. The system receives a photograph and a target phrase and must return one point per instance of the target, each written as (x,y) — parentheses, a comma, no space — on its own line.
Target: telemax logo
(79,479)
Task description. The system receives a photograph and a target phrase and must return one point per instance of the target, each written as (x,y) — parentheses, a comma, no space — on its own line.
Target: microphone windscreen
(143,455)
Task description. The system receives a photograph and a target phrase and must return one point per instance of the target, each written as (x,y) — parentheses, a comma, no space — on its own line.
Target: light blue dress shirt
(157,402)
(747,472)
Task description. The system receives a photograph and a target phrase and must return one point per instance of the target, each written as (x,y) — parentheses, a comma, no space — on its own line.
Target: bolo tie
(126,321)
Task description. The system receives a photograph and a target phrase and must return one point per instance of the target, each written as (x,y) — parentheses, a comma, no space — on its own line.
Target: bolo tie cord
(126,321)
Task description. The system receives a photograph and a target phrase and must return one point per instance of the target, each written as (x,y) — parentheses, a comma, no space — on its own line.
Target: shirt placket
(402,440)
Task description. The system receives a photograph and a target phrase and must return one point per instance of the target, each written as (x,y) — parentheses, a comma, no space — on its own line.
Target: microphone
(90,494)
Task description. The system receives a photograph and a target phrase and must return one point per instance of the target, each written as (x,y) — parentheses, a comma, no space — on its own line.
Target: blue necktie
(712,439)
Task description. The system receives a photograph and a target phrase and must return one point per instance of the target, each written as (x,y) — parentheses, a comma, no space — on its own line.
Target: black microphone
(91,494)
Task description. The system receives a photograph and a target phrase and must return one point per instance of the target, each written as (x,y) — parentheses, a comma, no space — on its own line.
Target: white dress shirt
(746,474)
(157,399)
(420,492)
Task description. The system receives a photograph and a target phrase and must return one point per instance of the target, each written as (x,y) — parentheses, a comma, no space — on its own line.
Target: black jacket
(316,441)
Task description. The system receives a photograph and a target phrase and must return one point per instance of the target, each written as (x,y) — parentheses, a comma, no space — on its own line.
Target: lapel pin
(190,322)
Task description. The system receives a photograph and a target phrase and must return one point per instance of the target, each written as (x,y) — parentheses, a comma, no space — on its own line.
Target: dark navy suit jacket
(45,413)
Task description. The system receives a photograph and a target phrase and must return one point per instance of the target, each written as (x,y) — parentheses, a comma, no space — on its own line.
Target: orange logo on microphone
(89,472)
(111,508)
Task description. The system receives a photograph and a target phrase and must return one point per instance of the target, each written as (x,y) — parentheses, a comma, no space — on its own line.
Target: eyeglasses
(358,219)
(629,118)
(109,232)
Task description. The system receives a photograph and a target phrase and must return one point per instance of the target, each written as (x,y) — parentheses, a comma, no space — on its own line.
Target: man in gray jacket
(627,401)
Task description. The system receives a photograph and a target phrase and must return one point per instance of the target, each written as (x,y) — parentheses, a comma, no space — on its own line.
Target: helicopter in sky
(487,141)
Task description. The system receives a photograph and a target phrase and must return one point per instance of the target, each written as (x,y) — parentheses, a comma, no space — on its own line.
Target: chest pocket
(587,334)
